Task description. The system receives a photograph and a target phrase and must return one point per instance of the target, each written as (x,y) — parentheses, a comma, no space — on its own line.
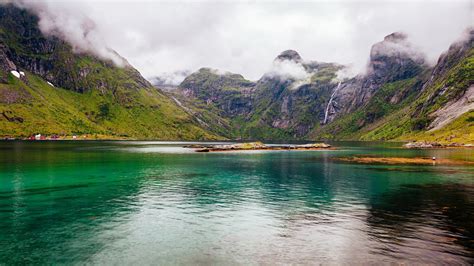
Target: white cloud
(170,78)
(287,69)
(61,19)
(245,36)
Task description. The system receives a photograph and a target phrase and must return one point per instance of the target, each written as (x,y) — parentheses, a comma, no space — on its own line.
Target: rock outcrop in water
(256,146)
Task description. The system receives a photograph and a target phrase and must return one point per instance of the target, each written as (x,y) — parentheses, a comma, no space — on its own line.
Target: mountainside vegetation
(399,98)
(62,92)
(49,87)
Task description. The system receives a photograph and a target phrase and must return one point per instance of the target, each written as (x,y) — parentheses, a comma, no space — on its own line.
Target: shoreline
(421,145)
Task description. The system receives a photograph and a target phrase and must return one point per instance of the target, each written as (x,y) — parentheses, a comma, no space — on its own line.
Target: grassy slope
(409,123)
(44,109)
(461,130)
(210,116)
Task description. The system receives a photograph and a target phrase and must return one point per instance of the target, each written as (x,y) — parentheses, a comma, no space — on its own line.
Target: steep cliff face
(285,103)
(45,87)
(398,97)
(451,77)
(435,104)
(231,93)
(54,60)
(449,92)
(290,103)
(391,60)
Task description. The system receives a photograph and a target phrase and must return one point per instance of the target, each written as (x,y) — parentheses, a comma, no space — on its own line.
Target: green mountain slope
(65,93)
(400,98)
(48,87)
(444,93)
(274,107)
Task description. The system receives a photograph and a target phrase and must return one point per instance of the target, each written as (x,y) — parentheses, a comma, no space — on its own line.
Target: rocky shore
(256,146)
(435,145)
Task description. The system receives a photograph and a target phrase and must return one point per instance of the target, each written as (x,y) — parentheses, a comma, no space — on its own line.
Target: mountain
(391,60)
(429,104)
(289,105)
(46,87)
(400,97)
(277,106)
(217,99)
(49,87)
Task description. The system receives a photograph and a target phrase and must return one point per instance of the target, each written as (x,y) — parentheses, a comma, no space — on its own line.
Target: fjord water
(157,203)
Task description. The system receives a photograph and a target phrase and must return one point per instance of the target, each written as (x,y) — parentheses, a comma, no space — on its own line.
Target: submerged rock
(404,160)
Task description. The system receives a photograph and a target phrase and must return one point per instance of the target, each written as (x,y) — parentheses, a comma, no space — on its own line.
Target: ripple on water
(141,203)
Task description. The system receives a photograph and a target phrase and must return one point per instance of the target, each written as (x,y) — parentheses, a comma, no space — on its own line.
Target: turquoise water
(157,203)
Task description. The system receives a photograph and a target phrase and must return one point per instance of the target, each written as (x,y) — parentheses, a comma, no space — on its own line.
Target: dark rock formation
(290,55)
(391,60)
(23,44)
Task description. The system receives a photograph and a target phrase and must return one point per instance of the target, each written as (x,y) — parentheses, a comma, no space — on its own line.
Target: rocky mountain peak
(290,55)
(465,42)
(395,36)
(395,58)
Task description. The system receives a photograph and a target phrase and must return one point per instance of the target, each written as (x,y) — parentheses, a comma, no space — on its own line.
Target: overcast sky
(245,36)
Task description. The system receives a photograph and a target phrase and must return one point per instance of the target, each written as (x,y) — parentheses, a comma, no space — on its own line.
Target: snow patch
(50,84)
(286,69)
(15,73)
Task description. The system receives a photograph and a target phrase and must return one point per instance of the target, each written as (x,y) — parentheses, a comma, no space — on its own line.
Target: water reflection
(432,223)
(105,203)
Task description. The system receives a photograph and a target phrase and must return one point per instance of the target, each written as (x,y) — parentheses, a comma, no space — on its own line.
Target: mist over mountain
(301,98)
(244,37)
(49,87)
(65,69)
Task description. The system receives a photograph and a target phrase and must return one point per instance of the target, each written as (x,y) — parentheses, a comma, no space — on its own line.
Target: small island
(249,146)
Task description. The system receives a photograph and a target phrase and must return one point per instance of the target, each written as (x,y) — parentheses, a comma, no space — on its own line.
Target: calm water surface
(157,203)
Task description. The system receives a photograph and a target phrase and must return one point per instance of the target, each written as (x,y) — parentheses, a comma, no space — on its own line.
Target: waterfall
(329,103)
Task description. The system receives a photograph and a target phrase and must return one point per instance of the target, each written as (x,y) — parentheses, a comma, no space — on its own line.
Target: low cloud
(347,72)
(244,36)
(219,72)
(170,79)
(397,44)
(64,20)
(287,69)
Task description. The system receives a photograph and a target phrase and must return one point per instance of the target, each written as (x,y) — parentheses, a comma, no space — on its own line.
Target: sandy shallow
(404,160)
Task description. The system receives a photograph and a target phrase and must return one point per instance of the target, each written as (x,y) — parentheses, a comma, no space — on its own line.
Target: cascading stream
(329,103)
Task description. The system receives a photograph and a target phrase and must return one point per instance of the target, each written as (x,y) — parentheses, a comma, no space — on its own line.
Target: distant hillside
(399,98)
